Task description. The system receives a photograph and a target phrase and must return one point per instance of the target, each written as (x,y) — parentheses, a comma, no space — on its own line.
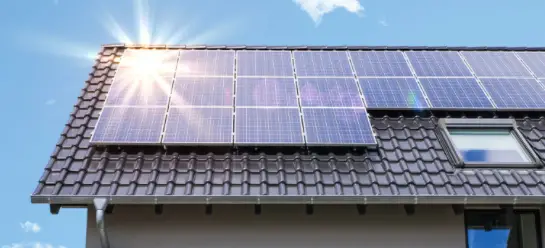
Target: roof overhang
(147,200)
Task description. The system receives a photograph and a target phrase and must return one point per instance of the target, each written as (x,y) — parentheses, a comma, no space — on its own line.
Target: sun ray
(142,15)
(48,43)
(115,30)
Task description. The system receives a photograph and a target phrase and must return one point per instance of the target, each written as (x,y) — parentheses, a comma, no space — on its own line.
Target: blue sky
(47,45)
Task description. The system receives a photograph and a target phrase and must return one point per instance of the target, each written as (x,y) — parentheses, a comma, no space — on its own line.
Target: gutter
(292,199)
(100,206)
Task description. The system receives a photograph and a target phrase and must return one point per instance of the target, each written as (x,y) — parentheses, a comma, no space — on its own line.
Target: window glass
(496,229)
(496,238)
(488,146)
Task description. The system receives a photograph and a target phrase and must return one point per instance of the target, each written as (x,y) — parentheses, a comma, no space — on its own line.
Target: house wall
(280,226)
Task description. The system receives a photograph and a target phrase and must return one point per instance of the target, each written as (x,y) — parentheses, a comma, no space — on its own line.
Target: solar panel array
(137,102)
(511,79)
(332,107)
(251,97)
(266,107)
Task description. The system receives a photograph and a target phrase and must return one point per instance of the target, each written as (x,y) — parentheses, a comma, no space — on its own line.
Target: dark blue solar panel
(392,93)
(131,91)
(268,126)
(380,64)
(536,62)
(329,92)
(342,126)
(264,63)
(206,63)
(455,93)
(515,93)
(496,64)
(122,125)
(438,64)
(266,92)
(200,91)
(322,64)
(199,125)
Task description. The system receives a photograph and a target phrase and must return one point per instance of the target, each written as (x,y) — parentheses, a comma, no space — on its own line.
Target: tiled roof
(410,165)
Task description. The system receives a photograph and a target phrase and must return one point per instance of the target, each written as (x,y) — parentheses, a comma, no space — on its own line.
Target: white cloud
(32,245)
(30,227)
(318,8)
(383,23)
(50,102)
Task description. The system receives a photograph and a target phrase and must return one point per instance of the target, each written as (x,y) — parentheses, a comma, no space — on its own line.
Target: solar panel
(122,125)
(201,91)
(496,64)
(199,125)
(264,63)
(206,63)
(143,63)
(337,126)
(515,93)
(438,64)
(455,93)
(329,92)
(268,126)
(266,92)
(392,93)
(536,62)
(129,91)
(380,64)
(322,64)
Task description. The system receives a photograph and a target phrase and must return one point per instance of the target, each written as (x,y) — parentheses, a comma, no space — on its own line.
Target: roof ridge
(324,47)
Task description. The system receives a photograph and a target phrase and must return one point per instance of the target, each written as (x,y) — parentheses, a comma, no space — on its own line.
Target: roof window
(487,143)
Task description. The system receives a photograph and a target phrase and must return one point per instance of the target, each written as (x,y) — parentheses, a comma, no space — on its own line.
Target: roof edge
(310,48)
(144,200)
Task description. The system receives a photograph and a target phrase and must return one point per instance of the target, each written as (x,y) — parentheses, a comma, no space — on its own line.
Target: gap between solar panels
(298,98)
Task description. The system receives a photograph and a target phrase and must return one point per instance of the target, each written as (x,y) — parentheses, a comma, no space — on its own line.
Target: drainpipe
(100,206)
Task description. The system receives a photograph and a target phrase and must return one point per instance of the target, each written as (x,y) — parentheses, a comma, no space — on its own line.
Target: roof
(409,165)
(349,48)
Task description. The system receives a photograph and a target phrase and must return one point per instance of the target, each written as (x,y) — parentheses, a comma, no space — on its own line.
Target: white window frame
(486,124)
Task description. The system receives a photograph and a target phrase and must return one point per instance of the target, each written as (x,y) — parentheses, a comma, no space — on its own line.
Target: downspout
(100,206)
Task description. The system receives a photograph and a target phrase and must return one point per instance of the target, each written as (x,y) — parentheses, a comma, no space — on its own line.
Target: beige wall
(280,226)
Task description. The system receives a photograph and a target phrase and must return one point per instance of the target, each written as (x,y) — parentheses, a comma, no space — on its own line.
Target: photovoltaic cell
(496,64)
(340,126)
(199,125)
(121,125)
(515,93)
(536,62)
(266,92)
(392,93)
(268,126)
(206,63)
(201,91)
(329,92)
(380,64)
(322,64)
(455,93)
(264,63)
(130,91)
(438,64)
